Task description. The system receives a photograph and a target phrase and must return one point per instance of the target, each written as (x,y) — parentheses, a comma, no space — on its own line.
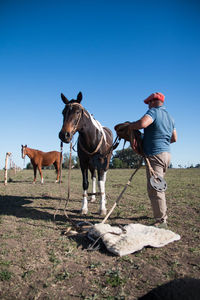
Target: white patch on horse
(98,125)
(101,185)
(84,209)
(93,197)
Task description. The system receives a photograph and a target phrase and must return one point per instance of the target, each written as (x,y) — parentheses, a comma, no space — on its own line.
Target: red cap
(158,96)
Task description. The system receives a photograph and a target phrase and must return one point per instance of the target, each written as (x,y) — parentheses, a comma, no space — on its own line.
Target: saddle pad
(133,238)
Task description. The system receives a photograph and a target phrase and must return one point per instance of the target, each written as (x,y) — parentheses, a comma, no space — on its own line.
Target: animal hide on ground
(133,238)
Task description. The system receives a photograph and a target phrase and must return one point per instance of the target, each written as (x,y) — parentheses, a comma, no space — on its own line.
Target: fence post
(6,168)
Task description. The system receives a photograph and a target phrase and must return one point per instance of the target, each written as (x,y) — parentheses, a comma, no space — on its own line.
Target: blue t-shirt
(157,136)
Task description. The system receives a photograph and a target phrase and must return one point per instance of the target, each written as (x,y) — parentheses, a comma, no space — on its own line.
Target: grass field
(38,261)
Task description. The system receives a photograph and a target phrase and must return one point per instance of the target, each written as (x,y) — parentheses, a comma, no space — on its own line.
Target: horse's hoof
(102,212)
(33,182)
(84,211)
(93,200)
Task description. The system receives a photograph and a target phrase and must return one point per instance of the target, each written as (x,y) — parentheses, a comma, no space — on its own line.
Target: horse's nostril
(67,135)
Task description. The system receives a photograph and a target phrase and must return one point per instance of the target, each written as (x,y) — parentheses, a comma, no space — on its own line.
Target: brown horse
(94,147)
(41,159)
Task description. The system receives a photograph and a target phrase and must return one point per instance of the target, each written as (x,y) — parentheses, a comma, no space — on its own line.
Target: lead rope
(77,228)
(151,171)
(60,179)
(69,176)
(61,154)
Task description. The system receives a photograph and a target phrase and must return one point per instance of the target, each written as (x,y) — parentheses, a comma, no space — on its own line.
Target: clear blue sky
(116,52)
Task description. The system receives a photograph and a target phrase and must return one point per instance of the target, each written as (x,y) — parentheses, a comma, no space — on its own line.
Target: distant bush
(29,166)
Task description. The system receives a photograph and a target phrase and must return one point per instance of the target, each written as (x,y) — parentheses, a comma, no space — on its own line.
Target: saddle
(133,136)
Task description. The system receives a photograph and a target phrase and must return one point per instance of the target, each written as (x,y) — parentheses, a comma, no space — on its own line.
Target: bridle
(82,111)
(23,152)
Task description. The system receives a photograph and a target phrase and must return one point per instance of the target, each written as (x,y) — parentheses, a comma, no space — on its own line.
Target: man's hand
(174,136)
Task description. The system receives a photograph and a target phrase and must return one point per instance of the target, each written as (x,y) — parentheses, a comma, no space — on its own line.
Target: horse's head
(23,150)
(71,117)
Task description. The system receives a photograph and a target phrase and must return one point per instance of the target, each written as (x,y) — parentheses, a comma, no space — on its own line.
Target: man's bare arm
(174,136)
(144,122)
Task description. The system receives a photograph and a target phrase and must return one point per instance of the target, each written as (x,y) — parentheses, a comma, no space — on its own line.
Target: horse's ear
(79,97)
(25,146)
(64,99)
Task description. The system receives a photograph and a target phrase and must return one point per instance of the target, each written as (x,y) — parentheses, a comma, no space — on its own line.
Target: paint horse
(41,159)
(94,147)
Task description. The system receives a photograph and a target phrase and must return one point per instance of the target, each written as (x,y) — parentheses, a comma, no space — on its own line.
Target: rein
(95,151)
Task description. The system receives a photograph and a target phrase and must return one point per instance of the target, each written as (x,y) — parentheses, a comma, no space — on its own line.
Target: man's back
(157,135)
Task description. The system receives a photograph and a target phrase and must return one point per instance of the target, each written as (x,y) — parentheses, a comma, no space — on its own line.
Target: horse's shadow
(19,206)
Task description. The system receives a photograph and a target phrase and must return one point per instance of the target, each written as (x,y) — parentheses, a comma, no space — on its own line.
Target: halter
(79,117)
(83,111)
(23,154)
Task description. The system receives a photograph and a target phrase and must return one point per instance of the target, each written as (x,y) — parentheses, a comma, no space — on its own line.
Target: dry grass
(38,262)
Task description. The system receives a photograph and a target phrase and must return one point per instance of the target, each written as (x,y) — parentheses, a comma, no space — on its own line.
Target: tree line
(121,159)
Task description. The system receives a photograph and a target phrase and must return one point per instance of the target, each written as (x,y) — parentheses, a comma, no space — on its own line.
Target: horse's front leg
(40,170)
(101,185)
(93,177)
(35,173)
(84,209)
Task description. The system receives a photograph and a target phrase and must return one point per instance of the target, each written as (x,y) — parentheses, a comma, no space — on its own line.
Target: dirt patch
(37,261)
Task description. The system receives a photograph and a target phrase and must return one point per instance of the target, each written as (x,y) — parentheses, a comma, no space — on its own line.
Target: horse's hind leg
(40,170)
(84,209)
(101,184)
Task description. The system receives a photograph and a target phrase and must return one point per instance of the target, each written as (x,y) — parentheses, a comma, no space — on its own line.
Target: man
(159,132)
